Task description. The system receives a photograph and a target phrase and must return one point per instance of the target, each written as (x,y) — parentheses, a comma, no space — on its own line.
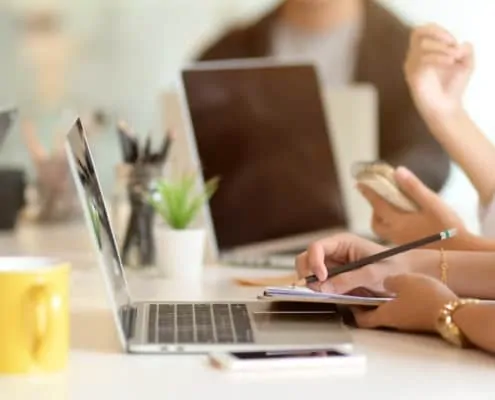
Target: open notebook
(289,293)
(303,294)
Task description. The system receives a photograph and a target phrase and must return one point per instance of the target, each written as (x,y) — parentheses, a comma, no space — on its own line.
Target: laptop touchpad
(294,322)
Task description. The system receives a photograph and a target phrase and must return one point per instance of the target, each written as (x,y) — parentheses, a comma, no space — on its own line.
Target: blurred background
(114,58)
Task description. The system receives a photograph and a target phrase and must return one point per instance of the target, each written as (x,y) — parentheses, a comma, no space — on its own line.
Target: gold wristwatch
(446,326)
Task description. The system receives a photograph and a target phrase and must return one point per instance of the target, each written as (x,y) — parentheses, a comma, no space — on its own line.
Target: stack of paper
(290,293)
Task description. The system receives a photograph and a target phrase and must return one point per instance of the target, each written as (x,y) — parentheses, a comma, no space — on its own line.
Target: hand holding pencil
(345,262)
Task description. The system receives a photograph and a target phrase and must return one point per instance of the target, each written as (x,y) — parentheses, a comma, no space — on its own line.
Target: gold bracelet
(446,326)
(443,267)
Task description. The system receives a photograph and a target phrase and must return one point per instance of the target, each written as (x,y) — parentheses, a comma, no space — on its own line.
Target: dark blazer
(404,137)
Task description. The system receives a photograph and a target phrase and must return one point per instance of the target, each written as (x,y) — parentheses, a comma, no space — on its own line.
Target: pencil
(164,151)
(127,142)
(447,234)
(147,148)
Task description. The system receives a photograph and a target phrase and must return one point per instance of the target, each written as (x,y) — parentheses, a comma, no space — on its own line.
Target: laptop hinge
(128,318)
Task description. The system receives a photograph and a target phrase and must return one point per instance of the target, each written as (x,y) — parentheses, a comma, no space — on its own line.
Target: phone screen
(262,355)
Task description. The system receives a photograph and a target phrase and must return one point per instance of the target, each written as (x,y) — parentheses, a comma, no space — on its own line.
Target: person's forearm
(476,322)
(470,242)
(469,148)
(466,241)
(469,274)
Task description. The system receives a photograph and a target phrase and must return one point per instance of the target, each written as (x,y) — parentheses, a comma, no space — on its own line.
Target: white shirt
(334,53)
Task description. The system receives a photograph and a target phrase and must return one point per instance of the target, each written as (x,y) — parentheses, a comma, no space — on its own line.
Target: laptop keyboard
(199,323)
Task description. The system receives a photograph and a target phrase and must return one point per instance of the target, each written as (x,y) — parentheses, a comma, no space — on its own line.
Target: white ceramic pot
(180,253)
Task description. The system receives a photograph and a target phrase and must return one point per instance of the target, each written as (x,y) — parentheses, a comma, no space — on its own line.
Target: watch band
(446,326)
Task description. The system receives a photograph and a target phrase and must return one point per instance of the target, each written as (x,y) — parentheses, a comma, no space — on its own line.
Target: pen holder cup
(133,215)
(120,207)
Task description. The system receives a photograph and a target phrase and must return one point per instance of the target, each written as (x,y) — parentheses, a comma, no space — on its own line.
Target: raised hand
(437,69)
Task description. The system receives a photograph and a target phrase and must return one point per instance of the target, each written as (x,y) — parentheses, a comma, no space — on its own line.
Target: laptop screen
(83,169)
(261,127)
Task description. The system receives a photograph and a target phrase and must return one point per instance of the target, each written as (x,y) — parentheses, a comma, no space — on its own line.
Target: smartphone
(379,177)
(327,358)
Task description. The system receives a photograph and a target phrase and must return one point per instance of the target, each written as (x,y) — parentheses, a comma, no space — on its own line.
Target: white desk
(399,366)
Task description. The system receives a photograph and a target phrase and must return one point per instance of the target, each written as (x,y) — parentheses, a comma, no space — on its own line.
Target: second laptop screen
(263,131)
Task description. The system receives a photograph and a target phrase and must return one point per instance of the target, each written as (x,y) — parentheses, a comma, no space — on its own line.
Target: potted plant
(180,247)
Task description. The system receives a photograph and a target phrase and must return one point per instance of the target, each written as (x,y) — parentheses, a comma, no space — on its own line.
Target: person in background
(52,196)
(426,294)
(349,41)
(438,69)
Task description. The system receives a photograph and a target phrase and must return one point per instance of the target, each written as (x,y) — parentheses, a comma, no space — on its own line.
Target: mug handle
(41,300)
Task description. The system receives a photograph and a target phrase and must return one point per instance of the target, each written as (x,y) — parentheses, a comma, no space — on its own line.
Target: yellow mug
(34,315)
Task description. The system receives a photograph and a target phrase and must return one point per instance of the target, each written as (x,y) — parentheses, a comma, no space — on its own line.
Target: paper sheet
(267,281)
(290,293)
(306,294)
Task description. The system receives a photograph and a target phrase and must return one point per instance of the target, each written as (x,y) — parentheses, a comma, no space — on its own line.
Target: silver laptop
(170,327)
(260,125)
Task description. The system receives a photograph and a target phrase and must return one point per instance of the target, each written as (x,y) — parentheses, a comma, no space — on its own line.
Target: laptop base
(273,326)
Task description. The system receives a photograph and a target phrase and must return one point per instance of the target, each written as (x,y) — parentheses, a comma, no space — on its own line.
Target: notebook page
(304,293)
(290,293)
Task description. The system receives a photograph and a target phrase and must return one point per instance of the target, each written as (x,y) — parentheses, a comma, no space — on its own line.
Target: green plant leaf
(211,187)
(177,203)
(162,200)
(197,201)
